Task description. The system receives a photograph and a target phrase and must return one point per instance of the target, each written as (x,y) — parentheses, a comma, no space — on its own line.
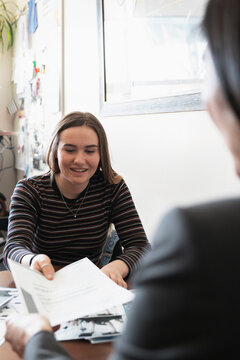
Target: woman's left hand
(115,270)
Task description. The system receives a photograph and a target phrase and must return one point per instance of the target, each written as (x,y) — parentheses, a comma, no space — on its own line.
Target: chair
(112,248)
(3,230)
(3,223)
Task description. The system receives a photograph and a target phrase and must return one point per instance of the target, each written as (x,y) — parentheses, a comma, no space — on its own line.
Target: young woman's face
(78,156)
(222,114)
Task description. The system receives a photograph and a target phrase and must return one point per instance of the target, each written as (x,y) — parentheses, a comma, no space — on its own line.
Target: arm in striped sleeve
(129,227)
(23,217)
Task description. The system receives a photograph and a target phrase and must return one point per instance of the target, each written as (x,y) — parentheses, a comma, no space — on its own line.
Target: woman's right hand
(42,263)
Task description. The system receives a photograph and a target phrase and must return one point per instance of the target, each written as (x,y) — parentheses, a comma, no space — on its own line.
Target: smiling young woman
(64,215)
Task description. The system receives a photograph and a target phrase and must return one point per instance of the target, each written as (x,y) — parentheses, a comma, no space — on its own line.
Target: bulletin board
(37,75)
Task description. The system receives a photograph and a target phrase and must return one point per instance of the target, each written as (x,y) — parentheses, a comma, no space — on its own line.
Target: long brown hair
(78,118)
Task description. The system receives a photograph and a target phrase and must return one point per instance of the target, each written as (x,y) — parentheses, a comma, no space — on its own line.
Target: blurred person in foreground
(187,302)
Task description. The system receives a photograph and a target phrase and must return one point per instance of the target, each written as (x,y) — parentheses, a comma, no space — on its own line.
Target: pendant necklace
(71,209)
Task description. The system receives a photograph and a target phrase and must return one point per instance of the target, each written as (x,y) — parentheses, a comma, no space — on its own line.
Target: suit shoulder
(172,224)
(201,217)
(202,230)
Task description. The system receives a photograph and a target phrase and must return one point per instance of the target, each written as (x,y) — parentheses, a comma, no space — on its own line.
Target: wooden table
(78,349)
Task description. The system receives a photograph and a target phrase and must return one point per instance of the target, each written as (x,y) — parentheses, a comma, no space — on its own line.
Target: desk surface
(78,349)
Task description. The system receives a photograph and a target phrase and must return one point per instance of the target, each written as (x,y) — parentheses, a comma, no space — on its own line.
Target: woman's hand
(116,271)
(42,263)
(20,328)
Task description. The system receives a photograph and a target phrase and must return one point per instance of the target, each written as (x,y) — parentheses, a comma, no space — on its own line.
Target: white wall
(167,159)
(8,178)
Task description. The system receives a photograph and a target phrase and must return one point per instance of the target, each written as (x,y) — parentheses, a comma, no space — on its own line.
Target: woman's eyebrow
(88,146)
(69,145)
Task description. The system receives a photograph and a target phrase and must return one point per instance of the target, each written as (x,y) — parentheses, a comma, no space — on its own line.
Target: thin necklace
(70,209)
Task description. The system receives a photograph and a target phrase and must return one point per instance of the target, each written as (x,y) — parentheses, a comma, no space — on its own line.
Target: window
(151,56)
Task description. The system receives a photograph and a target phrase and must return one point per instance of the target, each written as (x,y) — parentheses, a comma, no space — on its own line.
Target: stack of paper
(11,308)
(101,327)
(77,290)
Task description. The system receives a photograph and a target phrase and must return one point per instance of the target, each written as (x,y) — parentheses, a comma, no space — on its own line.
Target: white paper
(77,290)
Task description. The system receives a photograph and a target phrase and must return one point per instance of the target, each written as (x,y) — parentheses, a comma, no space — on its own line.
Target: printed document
(77,290)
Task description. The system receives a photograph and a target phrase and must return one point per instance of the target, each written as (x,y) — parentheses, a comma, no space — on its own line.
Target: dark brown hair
(221,25)
(83,119)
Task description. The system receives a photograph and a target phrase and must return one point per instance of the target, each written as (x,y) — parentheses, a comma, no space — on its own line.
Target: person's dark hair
(83,119)
(221,26)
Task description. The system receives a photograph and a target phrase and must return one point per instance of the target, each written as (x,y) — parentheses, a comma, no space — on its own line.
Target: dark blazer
(187,302)
(43,346)
(188,291)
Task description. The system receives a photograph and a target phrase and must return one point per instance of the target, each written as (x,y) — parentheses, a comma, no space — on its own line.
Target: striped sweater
(40,221)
